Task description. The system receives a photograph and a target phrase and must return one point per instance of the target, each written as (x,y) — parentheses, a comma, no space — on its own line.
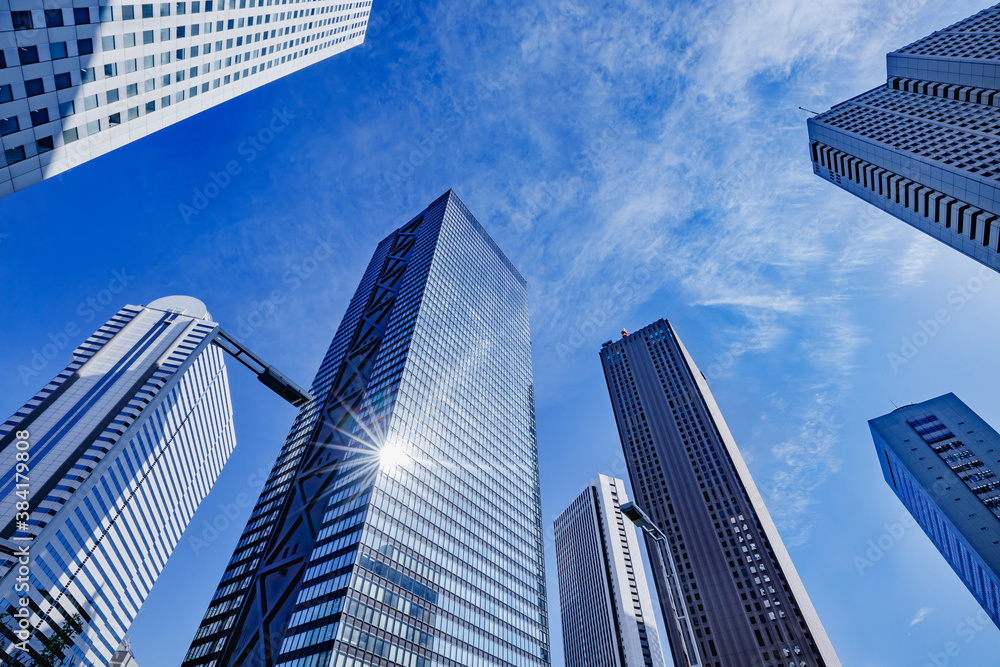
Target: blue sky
(635,161)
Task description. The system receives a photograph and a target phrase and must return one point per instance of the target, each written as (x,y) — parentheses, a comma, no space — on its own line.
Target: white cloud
(921,615)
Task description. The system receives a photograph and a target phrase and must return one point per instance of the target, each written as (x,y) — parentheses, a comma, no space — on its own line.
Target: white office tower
(86,76)
(607,611)
(100,473)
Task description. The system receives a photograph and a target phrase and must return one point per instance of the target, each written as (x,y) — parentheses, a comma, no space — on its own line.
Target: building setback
(941,459)
(925,147)
(742,602)
(607,612)
(84,78)
(121,447)
(402,519)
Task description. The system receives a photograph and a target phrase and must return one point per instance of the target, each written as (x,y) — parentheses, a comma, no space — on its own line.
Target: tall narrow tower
(607,612)
(739,599)
(101,471)
(402,519)
(942,459)
(924,146)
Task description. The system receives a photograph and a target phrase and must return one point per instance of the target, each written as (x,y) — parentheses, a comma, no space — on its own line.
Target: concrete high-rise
(607,611)
(925,147)
(739,598)
(101,472)
(401,522)
(79,79)
(940,458)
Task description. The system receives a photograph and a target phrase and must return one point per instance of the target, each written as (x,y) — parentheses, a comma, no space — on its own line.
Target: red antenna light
(624,334)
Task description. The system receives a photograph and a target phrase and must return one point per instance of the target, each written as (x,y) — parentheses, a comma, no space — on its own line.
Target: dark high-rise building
(401,523)
(925,147)
(733,596)
(941,459)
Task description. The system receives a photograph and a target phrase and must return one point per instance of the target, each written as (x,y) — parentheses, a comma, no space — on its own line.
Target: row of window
(55,18)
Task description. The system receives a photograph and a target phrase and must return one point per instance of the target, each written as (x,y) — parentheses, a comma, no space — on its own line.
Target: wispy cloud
(921,615)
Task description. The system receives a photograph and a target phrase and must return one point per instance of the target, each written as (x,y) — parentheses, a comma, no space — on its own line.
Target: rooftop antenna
(815,113)
(894,404)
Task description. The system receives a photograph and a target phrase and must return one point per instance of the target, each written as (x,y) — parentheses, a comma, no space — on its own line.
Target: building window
(81,15)
(14,155)
(69,136)
(90,102)
(147,36)
(45,144)
(128,12)
(6,93)
(150,106)
(164,9)
(87,75)
(28,55)
(106,14)
(22,20)
(53,18)
(148,62)
(133,113)
(114,119)
(63,81)
(3,59)
(34,87)
(110,70)
(93,127)
(132,90)
(9,126)
(181,8)
(112,95)
(85,46)
(108,43)
(39,117)
(66,109)
(58,50)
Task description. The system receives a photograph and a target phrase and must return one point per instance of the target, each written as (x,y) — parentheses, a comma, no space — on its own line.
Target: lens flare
(392,456)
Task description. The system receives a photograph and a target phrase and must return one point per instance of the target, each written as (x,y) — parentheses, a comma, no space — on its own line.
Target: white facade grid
(78,81)
(129,439)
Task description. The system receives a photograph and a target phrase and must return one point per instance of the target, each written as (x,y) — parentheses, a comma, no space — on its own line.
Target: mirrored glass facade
(739,599)
(401,523)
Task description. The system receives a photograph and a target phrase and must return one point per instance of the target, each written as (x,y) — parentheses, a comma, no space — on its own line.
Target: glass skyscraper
(101,471)
(925,147)
(607,612)
(739,599)
(940,458)
(80,78)
(401,523)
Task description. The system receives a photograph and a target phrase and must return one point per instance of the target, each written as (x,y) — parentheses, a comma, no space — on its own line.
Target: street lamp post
(685,632)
